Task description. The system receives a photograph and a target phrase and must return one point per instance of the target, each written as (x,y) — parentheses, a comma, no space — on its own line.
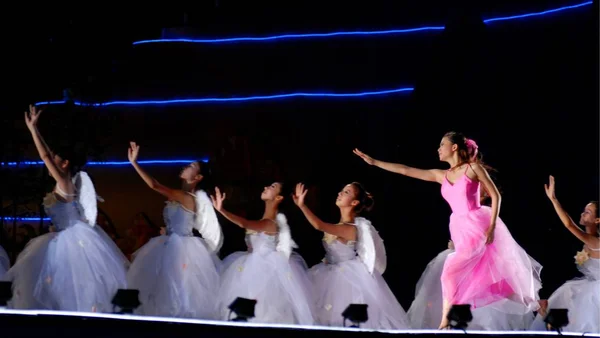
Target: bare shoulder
(476,171)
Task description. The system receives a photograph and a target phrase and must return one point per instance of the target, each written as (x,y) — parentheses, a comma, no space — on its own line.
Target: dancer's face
(347,197)
(191,173)
(589,216)
(271,192)
(446,149)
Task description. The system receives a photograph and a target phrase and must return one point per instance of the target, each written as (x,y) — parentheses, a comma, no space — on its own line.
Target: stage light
(352,33)
(356,314)
(126,301)
(5,293)
(556,319)
(243,309)
(459,316)
(231,99)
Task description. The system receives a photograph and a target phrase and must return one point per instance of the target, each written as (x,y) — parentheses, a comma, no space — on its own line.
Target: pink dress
(480,274)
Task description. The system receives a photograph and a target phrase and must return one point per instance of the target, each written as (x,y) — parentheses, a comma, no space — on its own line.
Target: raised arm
(31,119)
(590,240)
(263,225)
(345,231)
(172,194)
(430,175)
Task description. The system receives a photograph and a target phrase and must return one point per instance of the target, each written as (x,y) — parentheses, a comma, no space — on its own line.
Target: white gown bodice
(62,214)
(178,219)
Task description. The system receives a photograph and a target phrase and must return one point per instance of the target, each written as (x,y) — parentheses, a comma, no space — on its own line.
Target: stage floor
(28,323)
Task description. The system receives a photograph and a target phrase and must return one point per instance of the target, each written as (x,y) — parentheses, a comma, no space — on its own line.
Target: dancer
(425,311)
(268,272)
(488,265)
(581,296)
(345,278)
(177,273)
(77,267)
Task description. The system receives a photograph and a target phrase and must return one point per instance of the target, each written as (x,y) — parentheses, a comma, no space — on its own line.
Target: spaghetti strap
(59,191)
(469,166)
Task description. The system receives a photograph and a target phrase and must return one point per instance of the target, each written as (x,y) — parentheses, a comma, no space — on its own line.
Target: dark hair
(206,172)
(76,160)
(468,151)
(284,191)
(595,204)
(363,197)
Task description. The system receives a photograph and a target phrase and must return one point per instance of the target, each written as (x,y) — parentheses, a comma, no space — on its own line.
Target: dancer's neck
(187,187)
(347,216)
(592,230)
(270,210)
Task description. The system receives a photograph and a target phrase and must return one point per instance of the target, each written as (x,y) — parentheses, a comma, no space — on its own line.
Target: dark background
(526,90)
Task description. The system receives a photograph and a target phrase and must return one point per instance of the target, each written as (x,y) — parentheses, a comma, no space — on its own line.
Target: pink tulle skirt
(480,274)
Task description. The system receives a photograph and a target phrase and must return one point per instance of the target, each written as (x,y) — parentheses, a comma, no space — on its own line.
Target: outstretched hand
(550,192)
(133,152)
(365,157)
(32,117)
(299,195)
(217,199)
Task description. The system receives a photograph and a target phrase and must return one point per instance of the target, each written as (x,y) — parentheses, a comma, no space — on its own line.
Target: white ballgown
(351,273)
(75,268)
(581,296)
(270,273)
(177,273)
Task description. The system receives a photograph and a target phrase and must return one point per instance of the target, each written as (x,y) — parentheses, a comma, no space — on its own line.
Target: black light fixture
(459,316)
(356,314)
(5,293)
(556,319)
(243,309)
(126,300)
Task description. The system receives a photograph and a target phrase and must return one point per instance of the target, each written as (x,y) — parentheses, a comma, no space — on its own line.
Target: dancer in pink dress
(488,265)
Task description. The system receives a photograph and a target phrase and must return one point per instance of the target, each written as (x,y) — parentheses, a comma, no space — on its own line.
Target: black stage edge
(47,323)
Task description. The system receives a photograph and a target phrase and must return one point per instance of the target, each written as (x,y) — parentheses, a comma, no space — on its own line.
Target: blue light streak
(231,99)
(352,33)
(528,15)
(45,219)
(103,163)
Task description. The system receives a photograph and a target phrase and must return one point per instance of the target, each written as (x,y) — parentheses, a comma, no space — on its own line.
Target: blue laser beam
(350,33)
(231,99)
(46,219)
(550,11)
(294,36)
(103,163)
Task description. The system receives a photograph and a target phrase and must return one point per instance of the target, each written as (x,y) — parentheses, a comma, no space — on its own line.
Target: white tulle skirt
(426,310)
(76,269)
(177,276)
(4,262)
(582,298)
(341,284)
(281,287)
